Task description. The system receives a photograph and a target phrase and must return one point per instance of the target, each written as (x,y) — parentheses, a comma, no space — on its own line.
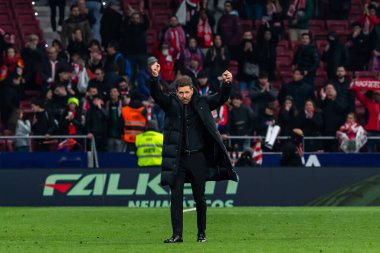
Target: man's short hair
(299,70)
(73,6)
(263,75)
(183,81)
(113,44)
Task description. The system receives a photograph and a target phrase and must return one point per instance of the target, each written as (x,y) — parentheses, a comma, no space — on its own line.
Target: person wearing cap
(72,120)
(193,150)
(204,86)
(149,146)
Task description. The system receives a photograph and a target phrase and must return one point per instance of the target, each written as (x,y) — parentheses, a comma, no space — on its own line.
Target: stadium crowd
(94,81)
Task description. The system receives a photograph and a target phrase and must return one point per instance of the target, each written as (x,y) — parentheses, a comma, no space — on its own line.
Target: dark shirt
(192,138)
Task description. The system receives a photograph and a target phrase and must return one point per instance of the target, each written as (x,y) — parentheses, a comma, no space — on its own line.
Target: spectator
(204,86)
(12,60)
(306,59)
(273,10)
(292,150)
(299,14)
(22,129)
(167,63)
(372,104)
(75,22)
(230,29)
(266,50)
(42,124)
(115,64)
(193,69)
(94,8)
(297,89)
(248,69)
(134,116)
(92,92)
(368,20)
(339,9)
(95,61)
(111,23)
(221,118)
(334,110)
(264,119)
(72,120)
(125,90)
(239,123)
(310,121)
(101,84)
(191,51)
(133,39)
(86,14)
(261,93)
(287,116)
(61,4)
(334,54)
(61,54)
(115,122)
(77,45)
(342,84)
(254,9)
(49,69)
(142,83)
(201,27)
(33,60)
(358,49)
(175,38)
(216,61)
(186,10)
(352,136)
(96,123)
(58,102)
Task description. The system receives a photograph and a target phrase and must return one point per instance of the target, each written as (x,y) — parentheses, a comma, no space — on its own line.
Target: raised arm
(217,100)
(155,89)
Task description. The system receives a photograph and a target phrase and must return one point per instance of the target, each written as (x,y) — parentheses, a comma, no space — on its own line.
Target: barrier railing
(93,155)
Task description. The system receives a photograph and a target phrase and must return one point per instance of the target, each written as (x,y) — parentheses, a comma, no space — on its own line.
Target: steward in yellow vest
(149,146)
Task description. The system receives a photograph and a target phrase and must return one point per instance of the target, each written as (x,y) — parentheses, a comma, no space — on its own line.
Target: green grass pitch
(135,230)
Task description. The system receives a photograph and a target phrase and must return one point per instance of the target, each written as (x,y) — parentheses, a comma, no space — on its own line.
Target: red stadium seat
(365,74)
(333,25)
(159,4)
(246,25)
(317,25)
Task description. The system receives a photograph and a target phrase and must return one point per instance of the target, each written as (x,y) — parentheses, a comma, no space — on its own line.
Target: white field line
(189,210)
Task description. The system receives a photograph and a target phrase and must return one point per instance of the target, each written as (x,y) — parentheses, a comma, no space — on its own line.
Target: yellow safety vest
(149,148)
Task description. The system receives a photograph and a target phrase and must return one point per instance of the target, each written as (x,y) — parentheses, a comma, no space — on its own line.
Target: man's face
(135,18)
(65,76)
(75,12)
(99,75)
(114,94)
(267,35)
(297,76)
(173,22)
(350,118)
(263,81)
(203,81)
(236,102)
(218,41)
(111,50)
(247,36)
(93,92)
(305,40)
(330,91)
(340,72)
(227,7)
(52,53)
(185,94)
(192,43)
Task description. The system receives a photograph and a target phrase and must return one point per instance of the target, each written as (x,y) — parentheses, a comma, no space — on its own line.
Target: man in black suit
(193,150)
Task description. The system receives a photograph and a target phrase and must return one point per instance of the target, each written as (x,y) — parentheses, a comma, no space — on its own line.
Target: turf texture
(136,230)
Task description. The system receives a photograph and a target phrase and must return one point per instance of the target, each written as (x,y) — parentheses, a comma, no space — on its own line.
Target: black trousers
(53,12)
(194,167)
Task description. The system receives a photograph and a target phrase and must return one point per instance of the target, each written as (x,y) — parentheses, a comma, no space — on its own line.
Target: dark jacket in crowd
(265,51)
(343,92)
(219,164)
(311,127)
(133,37)
(287,120)
(240,121)
(290,155)
(336,56)
(299,91)
(10,99)
(76,123)
(45,124)
(230,29)
(77,47)
(69,27)
(260,98)
(246,57)
(306,58)
(334,114)
(96,121)
(218,66)
(110,25)
(358,51)
(115,120)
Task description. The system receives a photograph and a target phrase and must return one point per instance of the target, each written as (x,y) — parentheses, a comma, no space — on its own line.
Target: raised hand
(227,77)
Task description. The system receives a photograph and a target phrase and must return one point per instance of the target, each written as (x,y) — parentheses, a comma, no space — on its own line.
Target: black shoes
(174,239)
(201,237)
